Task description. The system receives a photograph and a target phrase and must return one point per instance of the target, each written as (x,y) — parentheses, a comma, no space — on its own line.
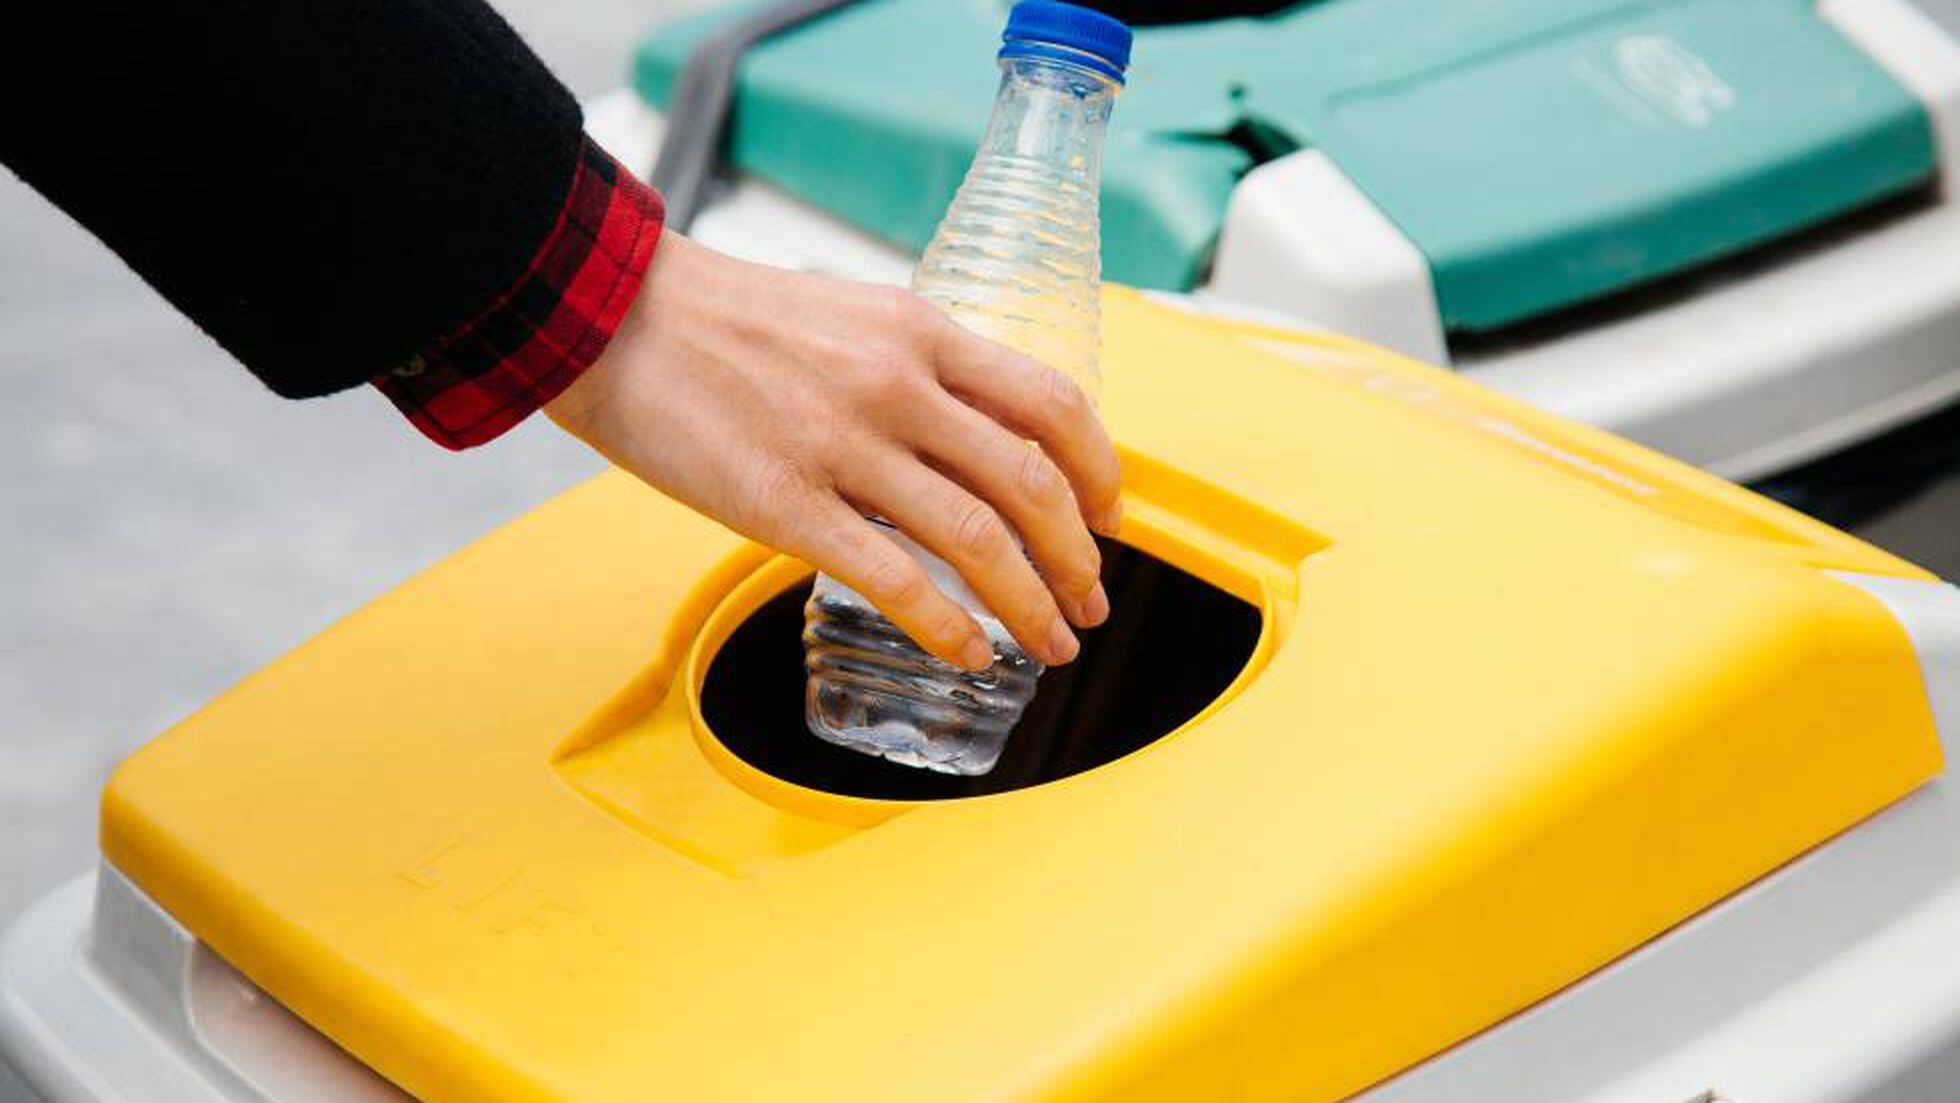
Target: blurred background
(170,526)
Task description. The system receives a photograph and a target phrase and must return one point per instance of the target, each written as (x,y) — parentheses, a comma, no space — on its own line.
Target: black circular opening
(1171,645)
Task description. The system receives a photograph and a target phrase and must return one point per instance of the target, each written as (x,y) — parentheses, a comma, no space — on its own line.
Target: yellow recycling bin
(1426,706)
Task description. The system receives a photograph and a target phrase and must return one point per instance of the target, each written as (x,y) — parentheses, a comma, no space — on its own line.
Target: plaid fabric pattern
(528,345)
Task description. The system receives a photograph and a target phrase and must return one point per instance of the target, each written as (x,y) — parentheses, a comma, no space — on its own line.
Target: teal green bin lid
(1539,154)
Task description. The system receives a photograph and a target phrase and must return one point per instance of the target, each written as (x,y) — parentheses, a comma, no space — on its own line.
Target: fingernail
(977,654)
(1062,647)
(1095,607)
(1110,520)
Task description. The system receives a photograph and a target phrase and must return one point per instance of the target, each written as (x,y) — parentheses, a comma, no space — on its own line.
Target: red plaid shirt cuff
(528,345)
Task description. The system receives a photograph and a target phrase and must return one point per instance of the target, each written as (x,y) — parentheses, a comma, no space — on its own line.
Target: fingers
(1042,404)
(776,402)
(1026,487)
(834,539)
(968,533)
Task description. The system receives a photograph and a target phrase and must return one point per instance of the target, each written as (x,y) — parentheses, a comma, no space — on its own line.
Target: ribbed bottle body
(1017,259)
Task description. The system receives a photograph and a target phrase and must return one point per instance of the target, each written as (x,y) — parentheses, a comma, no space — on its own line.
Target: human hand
(789,406)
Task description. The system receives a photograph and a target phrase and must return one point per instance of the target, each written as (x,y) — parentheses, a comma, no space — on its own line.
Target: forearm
(397,191)
(334,190)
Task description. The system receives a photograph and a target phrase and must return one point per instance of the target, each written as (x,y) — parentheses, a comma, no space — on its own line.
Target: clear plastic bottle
(1017,259)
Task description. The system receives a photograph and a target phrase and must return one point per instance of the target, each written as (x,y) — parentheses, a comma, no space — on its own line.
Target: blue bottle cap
(1067,32)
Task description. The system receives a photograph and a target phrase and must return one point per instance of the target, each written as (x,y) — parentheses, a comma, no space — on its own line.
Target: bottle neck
(1051,111)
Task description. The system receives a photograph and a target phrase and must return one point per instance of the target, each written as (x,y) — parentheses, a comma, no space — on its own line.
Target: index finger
(831,537)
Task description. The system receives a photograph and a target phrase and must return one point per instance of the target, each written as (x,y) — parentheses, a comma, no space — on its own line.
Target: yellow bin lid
(1524,696)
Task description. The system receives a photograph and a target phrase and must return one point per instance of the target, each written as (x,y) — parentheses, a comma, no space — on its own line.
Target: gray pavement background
(167,527)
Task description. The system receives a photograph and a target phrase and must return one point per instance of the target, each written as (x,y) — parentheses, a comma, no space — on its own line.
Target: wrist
(660,297)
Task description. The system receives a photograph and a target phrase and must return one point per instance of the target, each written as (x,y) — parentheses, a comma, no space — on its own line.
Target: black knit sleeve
(325,186)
